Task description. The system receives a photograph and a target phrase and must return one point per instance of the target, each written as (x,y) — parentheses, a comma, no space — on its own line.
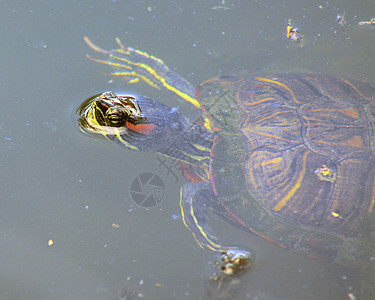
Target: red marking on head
(141,128)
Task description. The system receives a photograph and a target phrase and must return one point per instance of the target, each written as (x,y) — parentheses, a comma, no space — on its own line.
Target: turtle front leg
(136,65)
(195,200)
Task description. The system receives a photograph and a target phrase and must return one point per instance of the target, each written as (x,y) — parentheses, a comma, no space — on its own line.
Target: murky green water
(58,184)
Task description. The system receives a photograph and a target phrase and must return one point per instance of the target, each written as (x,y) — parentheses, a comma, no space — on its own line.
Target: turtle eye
(116,117)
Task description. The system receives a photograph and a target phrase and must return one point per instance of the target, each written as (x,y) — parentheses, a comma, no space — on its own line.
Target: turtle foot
(232,262)
(225,283)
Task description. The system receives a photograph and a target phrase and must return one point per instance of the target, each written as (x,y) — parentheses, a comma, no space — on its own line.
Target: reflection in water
(222,289)
(129,294)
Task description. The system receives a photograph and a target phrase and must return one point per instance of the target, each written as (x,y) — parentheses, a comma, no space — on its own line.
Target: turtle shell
(293,159)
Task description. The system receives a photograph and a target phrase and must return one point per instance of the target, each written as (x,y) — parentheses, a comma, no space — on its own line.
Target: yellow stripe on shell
(260,101)
(275,160)
(296,186)
(357,90)
(279,84)
(272,136)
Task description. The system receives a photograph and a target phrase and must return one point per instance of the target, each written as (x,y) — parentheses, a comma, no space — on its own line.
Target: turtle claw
(232,262)
(225,283)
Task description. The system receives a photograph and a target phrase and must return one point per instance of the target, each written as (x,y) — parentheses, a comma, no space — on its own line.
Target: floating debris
(363,23)
(220,7)
(326,173)
(293,34)
(341,20)
(351,296)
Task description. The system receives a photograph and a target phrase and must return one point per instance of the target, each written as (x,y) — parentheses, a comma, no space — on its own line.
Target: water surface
(60,185)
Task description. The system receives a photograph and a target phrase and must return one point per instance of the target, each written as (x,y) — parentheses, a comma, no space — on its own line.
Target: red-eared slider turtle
(289,157)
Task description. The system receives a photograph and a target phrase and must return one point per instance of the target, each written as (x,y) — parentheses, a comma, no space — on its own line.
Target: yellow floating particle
(326,174)
(289,28)
(114,225)
(335,214)
(351,296)
(325,171)
(50,243)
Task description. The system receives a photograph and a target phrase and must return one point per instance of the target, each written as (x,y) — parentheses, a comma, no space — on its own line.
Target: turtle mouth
(108,114)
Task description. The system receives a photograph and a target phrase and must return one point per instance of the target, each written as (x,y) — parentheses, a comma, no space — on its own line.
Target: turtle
(286,156)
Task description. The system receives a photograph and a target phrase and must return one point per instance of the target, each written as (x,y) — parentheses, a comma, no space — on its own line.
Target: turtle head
(140,123)
(107,113)
(120,119)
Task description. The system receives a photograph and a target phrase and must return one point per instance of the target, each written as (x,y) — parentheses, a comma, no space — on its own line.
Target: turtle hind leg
(196,199)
